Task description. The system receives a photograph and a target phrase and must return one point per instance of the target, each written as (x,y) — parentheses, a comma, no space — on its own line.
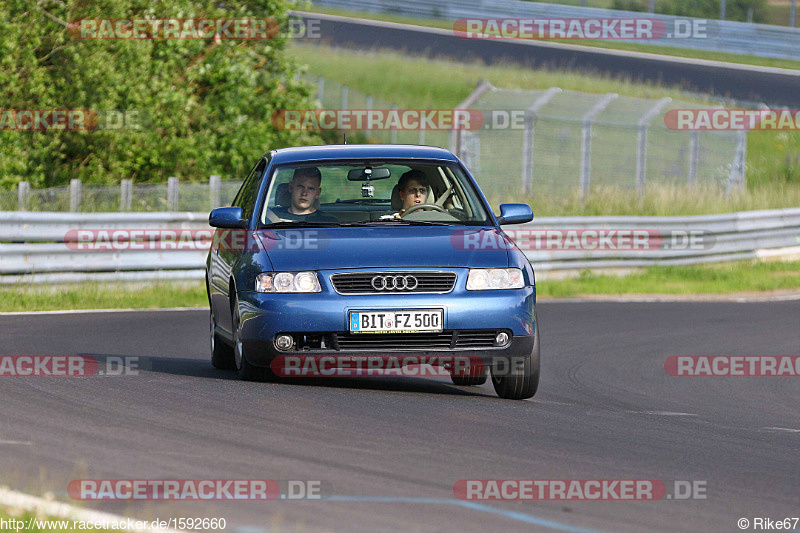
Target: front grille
(424,282)
(395,341)
(446,340)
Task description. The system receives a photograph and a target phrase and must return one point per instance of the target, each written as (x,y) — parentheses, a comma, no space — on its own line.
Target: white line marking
(54,509)
(710,298)
(790,430)
(19,442)
(661,413)
(78,311)
(553,402)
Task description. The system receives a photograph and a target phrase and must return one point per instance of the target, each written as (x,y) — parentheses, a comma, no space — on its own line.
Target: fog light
(284,342)
(501,339)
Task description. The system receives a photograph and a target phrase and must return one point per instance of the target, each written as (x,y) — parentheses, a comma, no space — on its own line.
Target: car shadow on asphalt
(109,364)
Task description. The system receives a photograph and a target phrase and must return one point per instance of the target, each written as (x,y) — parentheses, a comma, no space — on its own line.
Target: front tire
(247,371)
(521,381)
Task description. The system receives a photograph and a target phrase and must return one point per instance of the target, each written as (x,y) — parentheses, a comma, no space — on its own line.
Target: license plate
(396,321)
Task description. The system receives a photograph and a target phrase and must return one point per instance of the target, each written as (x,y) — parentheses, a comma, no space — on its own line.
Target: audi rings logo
(394,283)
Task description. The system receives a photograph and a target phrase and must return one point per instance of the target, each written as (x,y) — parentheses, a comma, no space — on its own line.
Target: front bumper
(264,316)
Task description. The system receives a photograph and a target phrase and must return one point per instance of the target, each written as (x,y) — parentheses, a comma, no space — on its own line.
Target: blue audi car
(344,251)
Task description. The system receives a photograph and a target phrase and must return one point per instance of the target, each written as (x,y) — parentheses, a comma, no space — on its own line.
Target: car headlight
(483,279)
(287,282)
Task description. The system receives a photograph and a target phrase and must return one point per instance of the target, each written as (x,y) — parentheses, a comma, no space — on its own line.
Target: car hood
(381,247)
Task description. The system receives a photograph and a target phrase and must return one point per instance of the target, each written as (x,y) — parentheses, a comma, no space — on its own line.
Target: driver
(413,189)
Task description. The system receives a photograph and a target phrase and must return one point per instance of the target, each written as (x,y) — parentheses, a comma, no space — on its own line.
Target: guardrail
(734,37)
(40,247)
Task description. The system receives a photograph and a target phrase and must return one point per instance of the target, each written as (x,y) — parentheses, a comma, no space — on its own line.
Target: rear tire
(521,381)
(221,353)
(247,371)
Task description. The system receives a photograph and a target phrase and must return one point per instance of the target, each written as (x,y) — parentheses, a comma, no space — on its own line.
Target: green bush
(206,105)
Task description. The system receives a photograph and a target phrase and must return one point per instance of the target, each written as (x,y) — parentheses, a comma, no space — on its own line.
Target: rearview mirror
(227,217)
(515,214)
(363,174)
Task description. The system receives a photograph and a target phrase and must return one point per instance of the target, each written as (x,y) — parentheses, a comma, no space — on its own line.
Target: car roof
(360,151)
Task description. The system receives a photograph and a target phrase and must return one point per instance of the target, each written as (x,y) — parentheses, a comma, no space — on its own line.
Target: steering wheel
(417,207)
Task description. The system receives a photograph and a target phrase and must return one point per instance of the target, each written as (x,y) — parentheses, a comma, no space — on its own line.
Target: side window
(246,198)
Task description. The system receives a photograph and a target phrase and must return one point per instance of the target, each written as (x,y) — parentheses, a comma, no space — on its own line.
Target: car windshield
(372,193)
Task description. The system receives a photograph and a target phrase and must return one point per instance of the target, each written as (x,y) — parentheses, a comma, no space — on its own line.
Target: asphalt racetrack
(773,86)
(389,450)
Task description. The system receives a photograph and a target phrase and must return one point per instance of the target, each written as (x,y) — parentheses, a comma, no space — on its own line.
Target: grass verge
(773,157)
(711,279)
(633,47)
(97,295)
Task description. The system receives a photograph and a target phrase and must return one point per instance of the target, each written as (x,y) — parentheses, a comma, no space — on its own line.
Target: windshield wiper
(300,224)
(405,222)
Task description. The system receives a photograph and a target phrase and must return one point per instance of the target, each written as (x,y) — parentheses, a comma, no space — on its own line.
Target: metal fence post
(694,156)
(736,177)
(22,195)
(528,136)
(586,140)
(172,194)
(74,195)
(394,130)
(125,195)
(367,126)
(641,142)
(469,101)
(214,191)
(527,152)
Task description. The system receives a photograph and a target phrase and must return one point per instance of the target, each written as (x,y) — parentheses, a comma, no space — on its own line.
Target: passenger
(304,190)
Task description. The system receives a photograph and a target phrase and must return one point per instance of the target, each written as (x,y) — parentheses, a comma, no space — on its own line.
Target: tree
(201,106)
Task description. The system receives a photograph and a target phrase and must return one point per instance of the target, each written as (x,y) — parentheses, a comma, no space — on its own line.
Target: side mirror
(227,217)
(515,214)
